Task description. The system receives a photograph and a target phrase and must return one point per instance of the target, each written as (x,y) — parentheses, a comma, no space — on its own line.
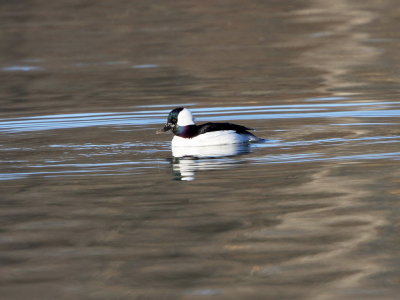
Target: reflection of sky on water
(138,118)
(30,68)
(21,68)
(314,157)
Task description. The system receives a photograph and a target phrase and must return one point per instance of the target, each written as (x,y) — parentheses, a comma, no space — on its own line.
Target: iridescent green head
(178,117)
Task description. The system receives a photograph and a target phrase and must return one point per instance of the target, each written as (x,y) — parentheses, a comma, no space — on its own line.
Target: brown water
(95,206)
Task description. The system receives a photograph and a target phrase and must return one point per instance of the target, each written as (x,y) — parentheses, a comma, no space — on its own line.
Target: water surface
(95,205)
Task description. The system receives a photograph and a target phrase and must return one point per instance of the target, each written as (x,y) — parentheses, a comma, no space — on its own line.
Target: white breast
(213,138)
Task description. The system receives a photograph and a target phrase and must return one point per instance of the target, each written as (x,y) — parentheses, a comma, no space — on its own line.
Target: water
(95,205)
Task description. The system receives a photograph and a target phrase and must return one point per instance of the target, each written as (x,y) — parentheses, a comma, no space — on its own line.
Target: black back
(208,127)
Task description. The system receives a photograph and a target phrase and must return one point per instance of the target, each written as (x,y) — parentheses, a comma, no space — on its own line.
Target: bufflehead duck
(188,134)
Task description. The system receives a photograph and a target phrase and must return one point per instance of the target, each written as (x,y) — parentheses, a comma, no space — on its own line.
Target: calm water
(95,205)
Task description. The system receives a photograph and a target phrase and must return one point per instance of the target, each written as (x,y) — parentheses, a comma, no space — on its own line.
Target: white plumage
(213,138)
(185,118)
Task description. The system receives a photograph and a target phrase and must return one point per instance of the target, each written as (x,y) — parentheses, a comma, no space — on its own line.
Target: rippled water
(95,205)
(118,158)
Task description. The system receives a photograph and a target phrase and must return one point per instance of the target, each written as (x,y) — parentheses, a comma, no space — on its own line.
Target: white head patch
(185,118)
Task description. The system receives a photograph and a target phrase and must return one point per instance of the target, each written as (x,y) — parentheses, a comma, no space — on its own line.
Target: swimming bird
(187,133)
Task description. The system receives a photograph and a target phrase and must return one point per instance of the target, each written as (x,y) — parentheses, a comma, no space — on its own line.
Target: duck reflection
(188,160)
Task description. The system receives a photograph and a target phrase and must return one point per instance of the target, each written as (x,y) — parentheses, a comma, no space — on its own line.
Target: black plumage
(191,131)
(208,127)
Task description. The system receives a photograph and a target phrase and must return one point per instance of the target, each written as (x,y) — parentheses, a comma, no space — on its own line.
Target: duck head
(178,117)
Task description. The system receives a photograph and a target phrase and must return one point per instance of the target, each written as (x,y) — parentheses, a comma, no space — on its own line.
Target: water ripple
(313,157)
(150,117)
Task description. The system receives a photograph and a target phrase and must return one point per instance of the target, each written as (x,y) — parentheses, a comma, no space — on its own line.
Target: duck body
(213,138)
(188,134)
